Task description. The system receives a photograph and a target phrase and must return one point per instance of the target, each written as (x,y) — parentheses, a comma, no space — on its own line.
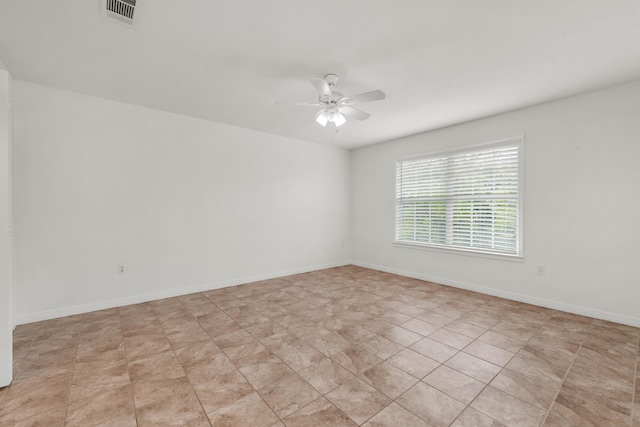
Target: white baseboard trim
(569,308)
(168,293)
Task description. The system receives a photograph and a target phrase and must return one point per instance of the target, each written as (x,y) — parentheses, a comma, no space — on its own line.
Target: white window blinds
(464,200)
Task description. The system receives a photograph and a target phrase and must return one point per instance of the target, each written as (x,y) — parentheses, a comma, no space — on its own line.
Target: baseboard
(168,293)
(137,299)
(569,308)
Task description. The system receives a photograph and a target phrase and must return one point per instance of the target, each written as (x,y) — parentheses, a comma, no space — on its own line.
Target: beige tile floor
(340,347)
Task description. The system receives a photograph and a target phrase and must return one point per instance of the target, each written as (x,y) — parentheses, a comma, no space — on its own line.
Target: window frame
(469,251)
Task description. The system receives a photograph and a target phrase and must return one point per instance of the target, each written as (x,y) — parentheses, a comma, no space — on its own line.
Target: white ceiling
(439,62)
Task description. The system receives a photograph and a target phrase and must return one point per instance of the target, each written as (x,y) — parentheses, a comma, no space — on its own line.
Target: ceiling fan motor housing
(332,99)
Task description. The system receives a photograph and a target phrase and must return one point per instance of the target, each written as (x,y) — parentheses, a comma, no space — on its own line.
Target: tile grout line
(255,390)
(566,374)
(280,419)
(225,354)
(29,348)
(73,371)
(421,380)
(322,396)
(356,376)
(126,361)
(238,369)
(173,350)
(443,364)
(636,380)
(17,371)
(502,368)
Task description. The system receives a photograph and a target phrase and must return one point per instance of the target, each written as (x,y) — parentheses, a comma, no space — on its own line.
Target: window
(467,200)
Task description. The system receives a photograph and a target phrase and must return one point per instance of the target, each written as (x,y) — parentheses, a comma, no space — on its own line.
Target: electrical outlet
(122,268)
(540,270)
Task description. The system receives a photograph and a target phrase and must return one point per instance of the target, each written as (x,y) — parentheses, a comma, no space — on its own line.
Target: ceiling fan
(336,106)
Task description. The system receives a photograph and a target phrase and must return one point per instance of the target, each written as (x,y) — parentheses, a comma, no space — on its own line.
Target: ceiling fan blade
(374,95)
(303,104)
(321,86)
(352,112)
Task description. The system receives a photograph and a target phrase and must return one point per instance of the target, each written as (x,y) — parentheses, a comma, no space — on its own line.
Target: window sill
(456,251)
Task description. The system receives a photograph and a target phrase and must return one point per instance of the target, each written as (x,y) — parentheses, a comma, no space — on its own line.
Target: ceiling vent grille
(121,10)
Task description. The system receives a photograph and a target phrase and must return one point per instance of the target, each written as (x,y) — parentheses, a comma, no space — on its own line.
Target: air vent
(121,10)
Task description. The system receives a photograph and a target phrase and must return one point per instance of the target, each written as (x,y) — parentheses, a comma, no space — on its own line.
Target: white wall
(185,204)
(581,206)
(188,204)
(6,281)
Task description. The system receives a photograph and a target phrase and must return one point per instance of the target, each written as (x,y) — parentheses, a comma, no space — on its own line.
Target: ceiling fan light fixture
(331,115)
(322,118)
